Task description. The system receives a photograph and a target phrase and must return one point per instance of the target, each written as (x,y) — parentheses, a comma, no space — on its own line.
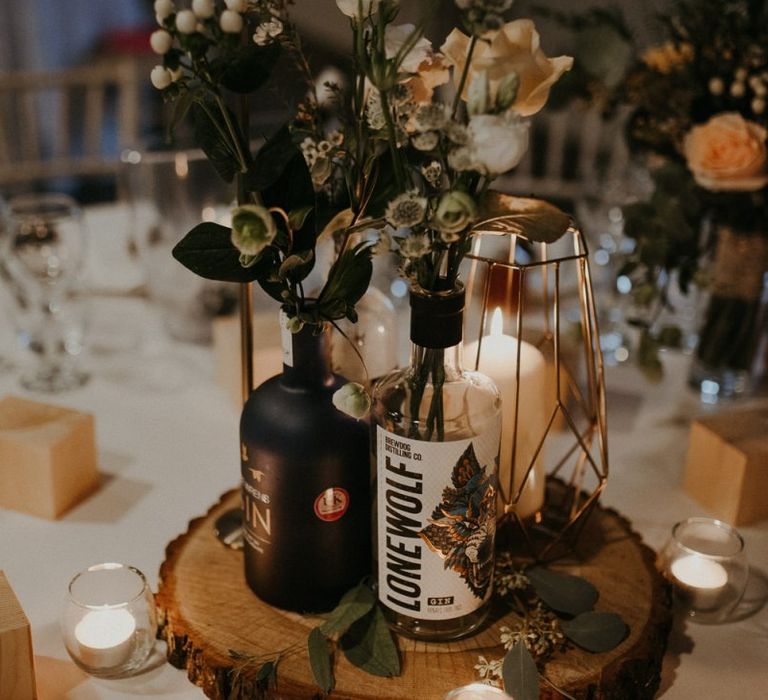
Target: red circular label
(331,504)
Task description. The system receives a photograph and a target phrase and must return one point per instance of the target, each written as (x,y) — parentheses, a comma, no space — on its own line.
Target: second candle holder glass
(109,620)
(704,560)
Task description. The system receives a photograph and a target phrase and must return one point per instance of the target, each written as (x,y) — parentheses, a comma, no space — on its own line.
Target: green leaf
(354,604)
(536,220)
(596,631)
(296,267)
(320,660)
(297,217)
(251,68)
(521,677)
(347,281)
(209,128)
(368,644)
(207,250)
(563,592)
(265,672)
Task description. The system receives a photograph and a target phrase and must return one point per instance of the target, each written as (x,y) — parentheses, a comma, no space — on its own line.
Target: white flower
(455,212)
(203,8)
(430,117)
(425,141)
(231,22)
(336,137)
(460,159)
(716,86)
(253,229)
(292,323)
(274,27)
(498,142)
(432,172)
(373,112)
(236,5)
(351,8)
(161,77)
(261,36)
(160,41)
(406,210)
(163,8)
(352,399)
(758,105)
(186,22)
(417,245)
(738,89)
(395,38)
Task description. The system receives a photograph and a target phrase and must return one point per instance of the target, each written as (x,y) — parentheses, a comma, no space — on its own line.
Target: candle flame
(497,322)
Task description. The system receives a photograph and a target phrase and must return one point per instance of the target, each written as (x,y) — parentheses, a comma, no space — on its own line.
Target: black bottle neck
(437,318)
(307,357)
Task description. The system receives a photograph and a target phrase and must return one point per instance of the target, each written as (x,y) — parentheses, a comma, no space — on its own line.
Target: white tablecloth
(168,447)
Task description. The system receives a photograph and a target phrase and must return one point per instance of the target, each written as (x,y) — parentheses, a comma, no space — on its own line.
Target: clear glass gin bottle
(435,439)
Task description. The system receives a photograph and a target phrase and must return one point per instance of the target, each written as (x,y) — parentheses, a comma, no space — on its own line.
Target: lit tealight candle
(701,581)
(498,359)
(476,691)
(105,637)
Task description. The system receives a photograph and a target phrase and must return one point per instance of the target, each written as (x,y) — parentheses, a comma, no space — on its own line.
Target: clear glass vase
(730,355)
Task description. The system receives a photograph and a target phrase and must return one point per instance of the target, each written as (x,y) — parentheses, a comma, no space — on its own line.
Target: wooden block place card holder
(47,457)
(727,465)
(17,670)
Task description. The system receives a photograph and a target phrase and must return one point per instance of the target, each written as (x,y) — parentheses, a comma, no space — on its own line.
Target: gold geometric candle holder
(545,357)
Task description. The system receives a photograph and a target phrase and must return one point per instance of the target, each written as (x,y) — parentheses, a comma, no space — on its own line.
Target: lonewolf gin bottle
(435,437)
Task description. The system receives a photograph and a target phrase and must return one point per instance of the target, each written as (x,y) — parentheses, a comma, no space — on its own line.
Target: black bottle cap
(437,318)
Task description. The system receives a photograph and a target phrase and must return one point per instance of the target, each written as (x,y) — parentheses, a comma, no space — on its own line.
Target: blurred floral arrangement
(700,116)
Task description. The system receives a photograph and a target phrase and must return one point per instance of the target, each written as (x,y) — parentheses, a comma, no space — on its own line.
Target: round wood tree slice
(207,611)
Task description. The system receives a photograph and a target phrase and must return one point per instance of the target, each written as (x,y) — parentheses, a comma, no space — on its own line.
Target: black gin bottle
(306,483)
(435,439)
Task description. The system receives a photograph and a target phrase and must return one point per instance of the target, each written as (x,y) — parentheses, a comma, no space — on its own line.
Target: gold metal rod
(246,339)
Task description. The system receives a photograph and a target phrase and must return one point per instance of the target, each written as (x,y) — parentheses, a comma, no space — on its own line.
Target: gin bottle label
(436,523)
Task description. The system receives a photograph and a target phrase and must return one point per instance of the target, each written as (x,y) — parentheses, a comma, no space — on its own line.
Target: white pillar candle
(700,581)
(105,638)
(498,359)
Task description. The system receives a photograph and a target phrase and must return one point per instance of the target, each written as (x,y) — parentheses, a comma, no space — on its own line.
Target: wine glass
(45,245)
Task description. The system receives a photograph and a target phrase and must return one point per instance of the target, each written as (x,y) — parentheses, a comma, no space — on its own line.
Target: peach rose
(512,49)
(727,153)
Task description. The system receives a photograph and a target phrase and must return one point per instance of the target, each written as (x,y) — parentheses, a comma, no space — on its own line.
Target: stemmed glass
(45,245)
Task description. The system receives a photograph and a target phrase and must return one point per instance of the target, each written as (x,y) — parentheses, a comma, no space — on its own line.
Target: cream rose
(497,142)
(727,153)
(512,49)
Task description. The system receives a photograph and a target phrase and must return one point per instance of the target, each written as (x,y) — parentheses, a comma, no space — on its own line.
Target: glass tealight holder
(704,560)
(476,691)
(109,620)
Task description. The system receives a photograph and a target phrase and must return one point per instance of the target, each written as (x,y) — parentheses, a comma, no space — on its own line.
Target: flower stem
(464,74)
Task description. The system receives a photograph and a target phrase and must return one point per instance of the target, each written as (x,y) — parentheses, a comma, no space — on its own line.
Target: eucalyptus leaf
(596,631)
(563,592)
(534,219)
(347,281)
(251,68)
(320,660)
(207,250)
(368,644)
(520,675)
(355,603)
